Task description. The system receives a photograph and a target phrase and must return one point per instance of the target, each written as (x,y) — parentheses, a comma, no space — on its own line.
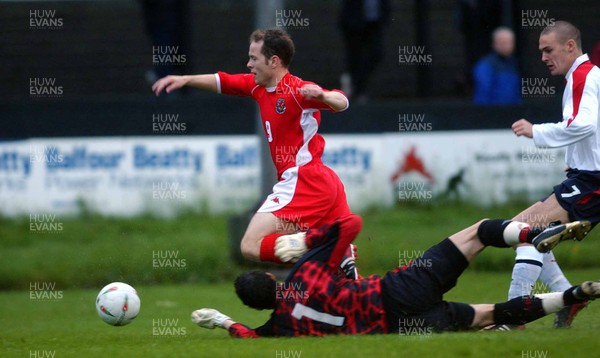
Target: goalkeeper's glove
(209,318)
(289,248)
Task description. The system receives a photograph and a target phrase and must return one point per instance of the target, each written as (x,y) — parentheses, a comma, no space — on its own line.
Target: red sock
(267,249)
(524,234)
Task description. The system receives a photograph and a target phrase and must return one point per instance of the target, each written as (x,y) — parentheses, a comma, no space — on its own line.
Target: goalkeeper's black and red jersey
(316,300)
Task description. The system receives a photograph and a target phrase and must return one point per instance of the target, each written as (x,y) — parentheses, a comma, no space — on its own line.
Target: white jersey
(579,127)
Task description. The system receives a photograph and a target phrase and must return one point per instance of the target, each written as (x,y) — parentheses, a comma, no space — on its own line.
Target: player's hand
(523,127)
(289,248)
(209,318)
(169,84)
(312,91)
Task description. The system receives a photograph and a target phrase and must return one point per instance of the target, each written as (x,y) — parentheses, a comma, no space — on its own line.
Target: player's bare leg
(269,238)
(531,265)
(543,213)
(290,247)
(500,233)
(262,225)
(484,315)
(467,241)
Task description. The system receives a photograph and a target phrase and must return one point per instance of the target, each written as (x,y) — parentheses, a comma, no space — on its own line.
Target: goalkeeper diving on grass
(316,299)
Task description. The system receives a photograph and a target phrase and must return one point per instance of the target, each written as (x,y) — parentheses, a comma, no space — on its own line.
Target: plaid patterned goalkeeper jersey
(316,299)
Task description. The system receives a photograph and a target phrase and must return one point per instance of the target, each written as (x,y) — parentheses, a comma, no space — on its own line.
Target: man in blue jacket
(496,76)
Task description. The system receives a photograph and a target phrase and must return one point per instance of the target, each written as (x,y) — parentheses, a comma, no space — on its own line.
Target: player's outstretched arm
(172,83)
(334,99)
(211,318)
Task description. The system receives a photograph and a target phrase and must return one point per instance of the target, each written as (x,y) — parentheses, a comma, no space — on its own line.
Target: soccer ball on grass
(118,304)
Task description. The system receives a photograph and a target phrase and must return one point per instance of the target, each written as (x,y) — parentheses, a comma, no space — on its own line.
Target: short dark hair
(256,289)
(565,31)
(275,42)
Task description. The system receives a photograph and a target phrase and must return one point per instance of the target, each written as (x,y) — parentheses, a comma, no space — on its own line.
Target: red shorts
(306,197)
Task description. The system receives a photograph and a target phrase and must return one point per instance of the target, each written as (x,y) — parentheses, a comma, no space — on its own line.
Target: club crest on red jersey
(280,105)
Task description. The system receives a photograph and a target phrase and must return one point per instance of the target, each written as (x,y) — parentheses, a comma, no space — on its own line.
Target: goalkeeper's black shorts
(413,295)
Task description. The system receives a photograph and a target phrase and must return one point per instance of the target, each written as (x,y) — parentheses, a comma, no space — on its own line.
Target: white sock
(552,276)
(527,269)
(512,232)
(552,302)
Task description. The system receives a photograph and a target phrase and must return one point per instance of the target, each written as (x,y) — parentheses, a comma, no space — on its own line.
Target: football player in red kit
(308,194)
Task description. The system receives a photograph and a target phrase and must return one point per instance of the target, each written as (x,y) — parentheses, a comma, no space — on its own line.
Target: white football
(118,304)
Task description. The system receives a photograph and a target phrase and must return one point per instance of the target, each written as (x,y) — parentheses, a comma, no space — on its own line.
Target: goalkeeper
(317,300)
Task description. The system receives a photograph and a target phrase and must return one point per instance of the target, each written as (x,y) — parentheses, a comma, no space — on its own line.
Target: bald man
(496,76)
(578,197)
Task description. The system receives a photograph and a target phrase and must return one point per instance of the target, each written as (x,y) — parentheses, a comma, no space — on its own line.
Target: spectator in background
(167,25)
(362,23)
(476,20)
(496,76)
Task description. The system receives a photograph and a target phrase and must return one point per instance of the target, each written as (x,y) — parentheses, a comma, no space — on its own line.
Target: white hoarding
(131,175)
(485,167)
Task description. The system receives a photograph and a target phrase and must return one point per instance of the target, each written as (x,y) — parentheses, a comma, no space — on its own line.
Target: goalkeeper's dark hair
(256,289)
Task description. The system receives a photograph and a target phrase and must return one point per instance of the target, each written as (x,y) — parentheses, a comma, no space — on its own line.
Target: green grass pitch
(92,251)
(70,327)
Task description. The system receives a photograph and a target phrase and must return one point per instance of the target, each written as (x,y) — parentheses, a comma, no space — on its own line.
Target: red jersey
(315,300)
(289,120)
